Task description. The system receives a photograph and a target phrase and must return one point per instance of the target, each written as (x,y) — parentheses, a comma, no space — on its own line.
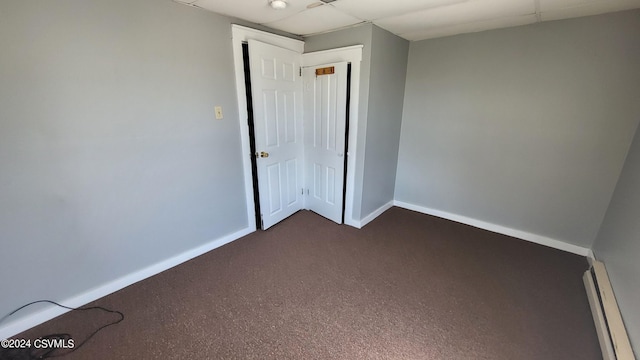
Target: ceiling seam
(428,8)
(538,13)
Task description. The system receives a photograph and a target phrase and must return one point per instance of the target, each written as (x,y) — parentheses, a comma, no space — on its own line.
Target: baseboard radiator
(612,335)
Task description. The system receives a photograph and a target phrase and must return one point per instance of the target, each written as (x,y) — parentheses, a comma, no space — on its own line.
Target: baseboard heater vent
(612,335)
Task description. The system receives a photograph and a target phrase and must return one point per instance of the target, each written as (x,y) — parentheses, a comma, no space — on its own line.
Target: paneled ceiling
(410,19)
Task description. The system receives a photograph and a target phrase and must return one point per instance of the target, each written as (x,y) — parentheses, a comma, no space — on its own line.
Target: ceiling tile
(411,19)
(473,11)
(585,8)
(257,11)
(546,5)
(315,20)
(470,27)
(371,10)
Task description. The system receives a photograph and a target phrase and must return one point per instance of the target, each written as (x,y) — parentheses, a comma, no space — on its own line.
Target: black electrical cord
(64,336)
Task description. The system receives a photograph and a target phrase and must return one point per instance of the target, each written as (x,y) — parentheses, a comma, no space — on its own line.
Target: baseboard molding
(369,218)
(351,222)
(535,238)
(50,312)
(591,257)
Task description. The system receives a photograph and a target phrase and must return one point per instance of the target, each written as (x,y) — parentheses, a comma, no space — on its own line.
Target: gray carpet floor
(406,286)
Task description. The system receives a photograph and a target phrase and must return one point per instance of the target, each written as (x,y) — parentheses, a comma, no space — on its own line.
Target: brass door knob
(264,154)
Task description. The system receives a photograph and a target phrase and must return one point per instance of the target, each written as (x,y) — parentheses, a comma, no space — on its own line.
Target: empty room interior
(304,179)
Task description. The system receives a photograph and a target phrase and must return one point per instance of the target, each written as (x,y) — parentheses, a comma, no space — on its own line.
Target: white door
(325,94)
(277,105)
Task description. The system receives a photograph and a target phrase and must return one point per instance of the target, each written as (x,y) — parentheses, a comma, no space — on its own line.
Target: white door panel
(325,125)
(277,92)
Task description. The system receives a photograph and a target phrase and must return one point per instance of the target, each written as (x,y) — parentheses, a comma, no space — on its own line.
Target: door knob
(264,154)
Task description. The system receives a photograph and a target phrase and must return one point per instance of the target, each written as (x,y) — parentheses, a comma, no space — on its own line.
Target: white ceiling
(410,19)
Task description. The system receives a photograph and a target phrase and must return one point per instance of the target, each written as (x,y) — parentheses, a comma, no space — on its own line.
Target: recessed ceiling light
(278,4)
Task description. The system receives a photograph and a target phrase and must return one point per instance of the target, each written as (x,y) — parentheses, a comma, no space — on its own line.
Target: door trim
(242,34)
(353,55)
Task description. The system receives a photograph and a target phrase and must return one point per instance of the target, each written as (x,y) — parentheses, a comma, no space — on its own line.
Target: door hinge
(301,71)
(307,191)
(301,191)
(261,222)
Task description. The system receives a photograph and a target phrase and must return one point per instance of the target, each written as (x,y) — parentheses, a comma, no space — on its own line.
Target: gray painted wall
(389,55)
(358,35)
(110,157)
(618,243)
(525,127)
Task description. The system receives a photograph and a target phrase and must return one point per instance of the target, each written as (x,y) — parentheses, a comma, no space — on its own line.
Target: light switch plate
(218,110)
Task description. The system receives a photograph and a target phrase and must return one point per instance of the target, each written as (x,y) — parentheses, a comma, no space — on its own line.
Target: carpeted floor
(406,286)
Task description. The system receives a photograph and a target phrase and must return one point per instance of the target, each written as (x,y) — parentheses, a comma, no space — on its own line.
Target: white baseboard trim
(52,311)
(377,212)
(591,257)
(538,239)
